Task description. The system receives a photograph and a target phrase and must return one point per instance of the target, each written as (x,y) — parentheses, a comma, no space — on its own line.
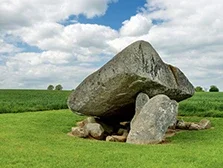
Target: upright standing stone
(153,121)
(141,100)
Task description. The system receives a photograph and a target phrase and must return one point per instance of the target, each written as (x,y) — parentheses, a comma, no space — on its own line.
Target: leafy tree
(50,87)
(199,89)
(58,87)
(213,88)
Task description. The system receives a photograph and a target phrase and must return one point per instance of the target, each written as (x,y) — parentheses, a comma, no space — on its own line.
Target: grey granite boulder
(153,121)
(110,92)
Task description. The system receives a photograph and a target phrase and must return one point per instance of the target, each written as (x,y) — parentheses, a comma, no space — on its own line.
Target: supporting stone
(153,121)
(141,100)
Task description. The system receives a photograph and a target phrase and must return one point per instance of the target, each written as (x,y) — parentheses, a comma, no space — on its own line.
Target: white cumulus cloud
(187,34)
(137,25)
(19,13)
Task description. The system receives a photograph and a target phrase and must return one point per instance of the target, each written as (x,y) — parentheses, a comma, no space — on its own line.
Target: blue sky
(61,42)
(115,14)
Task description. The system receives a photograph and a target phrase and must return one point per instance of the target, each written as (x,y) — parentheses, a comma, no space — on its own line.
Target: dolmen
(133,98)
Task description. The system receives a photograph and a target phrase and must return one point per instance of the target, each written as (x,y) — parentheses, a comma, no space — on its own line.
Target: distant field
(15,101)
(203,104)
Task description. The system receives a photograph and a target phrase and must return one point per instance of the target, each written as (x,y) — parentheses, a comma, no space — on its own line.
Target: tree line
(57,87)
(212,88)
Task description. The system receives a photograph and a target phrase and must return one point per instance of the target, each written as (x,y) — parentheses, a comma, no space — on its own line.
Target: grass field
(14,101)
(40,140)
(204,104)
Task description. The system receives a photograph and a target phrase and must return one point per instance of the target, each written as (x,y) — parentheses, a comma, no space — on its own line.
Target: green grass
(15,101)
(41,140)
(204,104)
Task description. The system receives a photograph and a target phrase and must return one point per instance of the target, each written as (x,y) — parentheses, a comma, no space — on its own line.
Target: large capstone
(110,92)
